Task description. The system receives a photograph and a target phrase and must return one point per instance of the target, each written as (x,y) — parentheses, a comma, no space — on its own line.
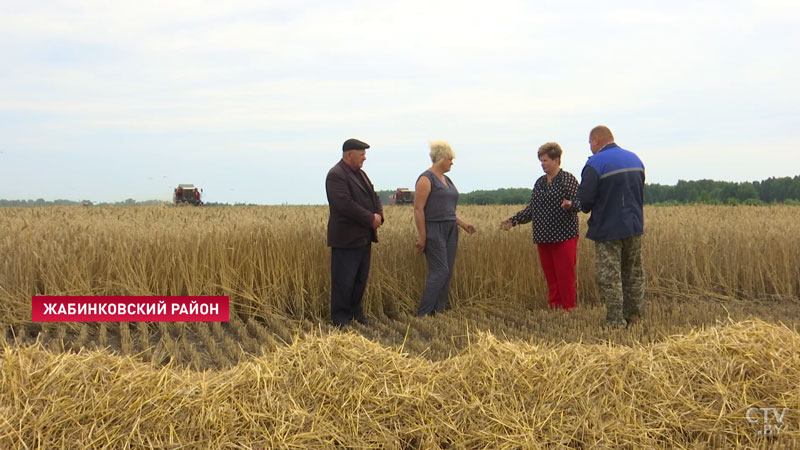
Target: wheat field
(497,370)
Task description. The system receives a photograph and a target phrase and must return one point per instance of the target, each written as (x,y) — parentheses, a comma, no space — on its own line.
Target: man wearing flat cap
(355,215)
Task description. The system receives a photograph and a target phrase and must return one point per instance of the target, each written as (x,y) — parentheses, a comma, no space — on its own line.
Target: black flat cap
(354,144)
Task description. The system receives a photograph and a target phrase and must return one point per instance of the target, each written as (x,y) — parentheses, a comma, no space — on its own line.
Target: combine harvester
(187,194)
(401,196)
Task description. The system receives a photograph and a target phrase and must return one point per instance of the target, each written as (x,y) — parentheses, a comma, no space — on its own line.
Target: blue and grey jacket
(612,188)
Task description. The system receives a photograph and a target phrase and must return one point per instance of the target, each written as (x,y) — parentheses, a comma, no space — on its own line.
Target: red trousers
(558,263)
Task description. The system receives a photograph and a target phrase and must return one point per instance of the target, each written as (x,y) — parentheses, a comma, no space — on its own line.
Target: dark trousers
(349,272)
(440,253)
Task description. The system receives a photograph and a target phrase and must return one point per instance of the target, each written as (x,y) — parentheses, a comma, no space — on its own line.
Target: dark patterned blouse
(551,223)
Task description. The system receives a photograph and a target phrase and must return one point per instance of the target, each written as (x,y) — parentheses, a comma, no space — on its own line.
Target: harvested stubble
(343,390)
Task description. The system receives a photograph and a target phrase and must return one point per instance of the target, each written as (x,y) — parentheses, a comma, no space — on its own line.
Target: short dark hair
(551,149)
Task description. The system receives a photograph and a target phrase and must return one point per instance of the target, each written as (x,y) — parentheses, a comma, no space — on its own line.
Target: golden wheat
(274,259)
(276,376)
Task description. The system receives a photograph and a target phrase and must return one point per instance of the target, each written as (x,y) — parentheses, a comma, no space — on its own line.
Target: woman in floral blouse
(553,211)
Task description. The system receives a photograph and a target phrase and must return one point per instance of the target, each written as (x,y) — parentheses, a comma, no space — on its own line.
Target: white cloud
(254,80)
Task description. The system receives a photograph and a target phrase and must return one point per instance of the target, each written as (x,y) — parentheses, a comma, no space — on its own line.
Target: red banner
(47,308)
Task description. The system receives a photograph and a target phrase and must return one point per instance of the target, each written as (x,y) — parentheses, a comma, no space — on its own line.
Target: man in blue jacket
(612,189)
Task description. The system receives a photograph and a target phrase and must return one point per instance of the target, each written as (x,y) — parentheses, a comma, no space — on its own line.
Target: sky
(251,99)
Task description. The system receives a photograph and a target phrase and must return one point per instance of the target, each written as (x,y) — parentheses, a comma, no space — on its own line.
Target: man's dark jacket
(352,201)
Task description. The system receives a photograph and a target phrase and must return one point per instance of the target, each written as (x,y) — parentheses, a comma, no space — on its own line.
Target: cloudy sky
(252,99)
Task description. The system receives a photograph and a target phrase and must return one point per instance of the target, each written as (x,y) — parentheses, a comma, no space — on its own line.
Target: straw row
(326,391)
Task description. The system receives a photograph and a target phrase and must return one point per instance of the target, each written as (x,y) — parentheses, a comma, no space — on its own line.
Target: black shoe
(341,325)
(363,321)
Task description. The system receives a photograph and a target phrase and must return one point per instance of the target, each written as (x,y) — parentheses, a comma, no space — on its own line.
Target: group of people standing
(611,189)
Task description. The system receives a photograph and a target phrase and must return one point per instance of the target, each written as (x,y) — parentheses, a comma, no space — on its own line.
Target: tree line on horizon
(769,191)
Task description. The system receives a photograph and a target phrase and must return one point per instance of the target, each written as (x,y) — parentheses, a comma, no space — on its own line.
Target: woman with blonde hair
(437,224)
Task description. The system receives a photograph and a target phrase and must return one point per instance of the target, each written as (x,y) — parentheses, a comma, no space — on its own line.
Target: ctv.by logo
(771,420)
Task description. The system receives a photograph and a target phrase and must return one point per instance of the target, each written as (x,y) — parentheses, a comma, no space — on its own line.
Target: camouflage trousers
(620,278)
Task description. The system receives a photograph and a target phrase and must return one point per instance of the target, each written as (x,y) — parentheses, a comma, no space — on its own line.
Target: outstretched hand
(506,225)
(469,228)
